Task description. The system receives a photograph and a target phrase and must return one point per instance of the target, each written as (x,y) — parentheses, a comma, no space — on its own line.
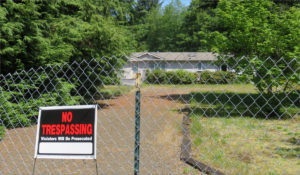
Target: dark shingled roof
(173,56)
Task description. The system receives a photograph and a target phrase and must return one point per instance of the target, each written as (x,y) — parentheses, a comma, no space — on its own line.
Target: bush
(20,102)
(218,77)
(10,112)
(243,78)
(156,77)
(21,94)
(185,77)
(230,77)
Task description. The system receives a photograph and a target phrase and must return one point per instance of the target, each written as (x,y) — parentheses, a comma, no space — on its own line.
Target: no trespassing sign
(67,132)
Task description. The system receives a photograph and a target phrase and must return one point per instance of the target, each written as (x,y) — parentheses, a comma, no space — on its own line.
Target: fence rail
(242,114)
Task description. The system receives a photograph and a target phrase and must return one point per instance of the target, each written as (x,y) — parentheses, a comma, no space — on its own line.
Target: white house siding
(209,66)
(127,72)
(191,66)
(130,70)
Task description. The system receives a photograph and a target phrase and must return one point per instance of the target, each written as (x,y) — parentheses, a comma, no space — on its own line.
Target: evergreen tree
(198,23)
(37,33)
(164,25)
(268,36)
(143,8)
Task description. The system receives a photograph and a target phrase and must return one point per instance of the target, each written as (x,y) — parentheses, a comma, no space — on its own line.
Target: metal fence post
(137,132)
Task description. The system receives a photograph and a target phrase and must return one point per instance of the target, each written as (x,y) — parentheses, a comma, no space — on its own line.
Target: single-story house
(140,62)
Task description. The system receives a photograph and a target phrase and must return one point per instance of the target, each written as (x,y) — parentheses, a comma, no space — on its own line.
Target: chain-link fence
(198,113)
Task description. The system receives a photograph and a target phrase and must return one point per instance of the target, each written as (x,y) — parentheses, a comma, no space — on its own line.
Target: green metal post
(137,133)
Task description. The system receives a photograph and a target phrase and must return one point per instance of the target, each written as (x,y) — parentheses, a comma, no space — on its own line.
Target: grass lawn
(229,132)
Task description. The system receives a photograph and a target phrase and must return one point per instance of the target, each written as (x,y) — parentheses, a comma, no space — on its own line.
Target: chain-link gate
(197,114)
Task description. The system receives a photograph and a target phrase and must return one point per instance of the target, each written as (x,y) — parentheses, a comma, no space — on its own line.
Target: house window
(157,65)
(163,65)
(151,65)
(200,66)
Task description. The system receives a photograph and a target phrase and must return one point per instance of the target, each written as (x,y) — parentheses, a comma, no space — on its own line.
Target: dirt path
(160,140)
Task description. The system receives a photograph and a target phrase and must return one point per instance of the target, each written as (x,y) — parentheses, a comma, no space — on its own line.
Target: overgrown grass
(112,91)
(247,146)
(2,132)
(227,134)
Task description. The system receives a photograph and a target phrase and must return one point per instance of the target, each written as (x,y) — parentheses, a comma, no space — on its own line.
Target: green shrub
(218,77)
(20,102)
(205,77)
(10,112)
(179,77)
(173,77)
(229,77)
(156,77)
(185,77)
(161,76)
(149,77)
(243,78)
(21,94)
(170,77)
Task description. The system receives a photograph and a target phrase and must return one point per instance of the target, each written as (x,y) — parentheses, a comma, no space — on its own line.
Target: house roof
(173,56)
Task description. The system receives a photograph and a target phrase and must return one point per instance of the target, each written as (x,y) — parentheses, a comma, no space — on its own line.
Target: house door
(135,68)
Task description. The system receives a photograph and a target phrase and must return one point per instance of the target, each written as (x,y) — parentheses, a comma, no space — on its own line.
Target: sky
(184,2)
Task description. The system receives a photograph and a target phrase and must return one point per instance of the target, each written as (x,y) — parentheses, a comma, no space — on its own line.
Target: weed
(2,132)
(288,152)
(294,140)
(112,91)
(197,141)
(186,170)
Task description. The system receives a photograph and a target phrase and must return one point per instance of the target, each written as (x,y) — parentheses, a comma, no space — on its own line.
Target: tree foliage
(34,32)
(164,25)
(199,22)
(259,33)
(262,35)
(143,8)
(46,32)
(258,28)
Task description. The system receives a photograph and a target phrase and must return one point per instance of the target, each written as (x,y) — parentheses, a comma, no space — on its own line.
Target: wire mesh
(199,112)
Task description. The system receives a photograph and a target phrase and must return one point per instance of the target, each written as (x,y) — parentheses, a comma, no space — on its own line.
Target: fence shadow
(226,104)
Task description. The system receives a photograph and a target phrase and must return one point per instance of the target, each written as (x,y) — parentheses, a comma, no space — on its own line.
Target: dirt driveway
(160,140)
